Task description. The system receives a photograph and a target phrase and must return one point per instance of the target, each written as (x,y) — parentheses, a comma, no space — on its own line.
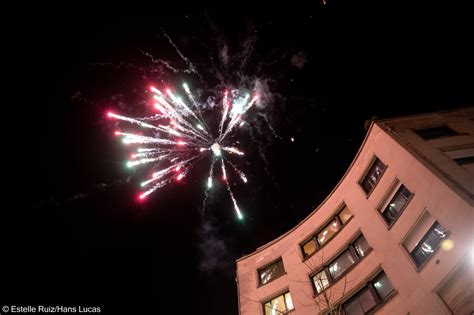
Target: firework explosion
(181,137)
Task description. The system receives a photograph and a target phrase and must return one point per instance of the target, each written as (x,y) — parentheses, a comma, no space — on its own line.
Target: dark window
(361,246)
(279,305)
(436,132)
(428,244)
(361,303)
(373,176)
(465,160)
(339,266)
(271,272)
(396,205)
(326,233)
(373,294)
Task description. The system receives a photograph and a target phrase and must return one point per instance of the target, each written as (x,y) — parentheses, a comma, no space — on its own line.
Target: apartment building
(395,236)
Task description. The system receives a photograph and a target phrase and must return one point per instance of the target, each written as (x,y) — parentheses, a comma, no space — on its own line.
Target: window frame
(461,154)
(325,267)
(259,283)
(435,249)
(465,262)
(388,198)
(409,233)
(373,160)
(314,234)
(369,283)
(277,295)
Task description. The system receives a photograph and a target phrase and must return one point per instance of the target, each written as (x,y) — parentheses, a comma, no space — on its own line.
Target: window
(309,247)
(361,246)
(436,132)
(320,281)
(463,156)
(458,292)
(271,272)
(464,160)
(429,244)
(373,294)
(373,176)
(339,266)
(328,232)
(279,305)
(396,205)
(325,234)
(344,215)
(361,303)
(424,239)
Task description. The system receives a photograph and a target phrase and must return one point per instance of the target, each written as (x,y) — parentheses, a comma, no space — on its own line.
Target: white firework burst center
(216,149)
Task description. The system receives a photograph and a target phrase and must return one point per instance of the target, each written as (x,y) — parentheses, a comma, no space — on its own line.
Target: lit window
(339,266)
(396,205)
(373,294)
(345,215)
(279,305)
(429,244)
(424,239)
(327,232)
(436,132)
(320,281)
(382,285)
(373,176)
(309,247)
(271,272)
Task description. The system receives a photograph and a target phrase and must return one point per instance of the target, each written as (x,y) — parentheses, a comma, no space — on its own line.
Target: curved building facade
(395,236)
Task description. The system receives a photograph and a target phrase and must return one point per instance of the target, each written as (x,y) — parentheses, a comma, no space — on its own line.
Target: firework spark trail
(177,144)
(211,172)
(133,138)
(160,61)
(224,114)
(160,174)
(172,113)
(233,150)
(224,173)
(196,105)
(236,207)
(191,67)
(133,121)
(241,174)
(120,65)
(237,118)
(265,118)
(151,118)
(263,157)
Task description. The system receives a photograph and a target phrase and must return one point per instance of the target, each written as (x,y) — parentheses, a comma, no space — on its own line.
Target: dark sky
(81,238)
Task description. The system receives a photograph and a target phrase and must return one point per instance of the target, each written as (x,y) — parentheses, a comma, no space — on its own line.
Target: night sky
(79,236)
